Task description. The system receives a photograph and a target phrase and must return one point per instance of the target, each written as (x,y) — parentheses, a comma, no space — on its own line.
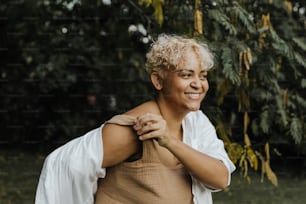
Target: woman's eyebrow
(203,71)
(185,70)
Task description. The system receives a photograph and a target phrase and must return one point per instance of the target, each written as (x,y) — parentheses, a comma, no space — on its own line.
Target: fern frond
(280,45)
(303,83)
(301,100)
(281,110)
(264,121)
(300,42)
(222,19)
(300,59)
(280,105)
(243,16)
(228,69)
(296,130)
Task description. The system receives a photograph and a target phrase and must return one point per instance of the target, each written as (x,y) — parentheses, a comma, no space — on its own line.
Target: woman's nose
(196,82)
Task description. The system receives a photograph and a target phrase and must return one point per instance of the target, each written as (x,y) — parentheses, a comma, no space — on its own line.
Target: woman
(162,151)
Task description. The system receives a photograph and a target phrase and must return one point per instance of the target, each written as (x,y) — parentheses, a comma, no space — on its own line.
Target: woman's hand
(152,126)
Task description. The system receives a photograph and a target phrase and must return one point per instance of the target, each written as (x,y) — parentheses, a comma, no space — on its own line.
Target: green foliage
(296,130)
(265,121)
(219,17)
(300,42)
(228,67)
(66,67)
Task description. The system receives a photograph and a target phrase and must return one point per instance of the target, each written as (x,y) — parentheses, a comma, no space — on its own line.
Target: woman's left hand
(152,126)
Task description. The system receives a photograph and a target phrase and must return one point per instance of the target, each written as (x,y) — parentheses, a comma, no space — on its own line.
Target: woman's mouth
(194,95)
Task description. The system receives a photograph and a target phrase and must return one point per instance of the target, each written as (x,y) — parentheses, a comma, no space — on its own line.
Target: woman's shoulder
(146,107)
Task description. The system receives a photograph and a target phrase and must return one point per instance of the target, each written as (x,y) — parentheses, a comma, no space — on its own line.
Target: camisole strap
(122,120)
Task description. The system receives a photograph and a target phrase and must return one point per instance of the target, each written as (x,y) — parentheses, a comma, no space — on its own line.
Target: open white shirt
(70,173)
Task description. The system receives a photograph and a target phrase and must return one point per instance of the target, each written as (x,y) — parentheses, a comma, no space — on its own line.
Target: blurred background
(66,66)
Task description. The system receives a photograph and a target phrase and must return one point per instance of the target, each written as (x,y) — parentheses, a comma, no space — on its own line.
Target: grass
(19,173)
(290,190)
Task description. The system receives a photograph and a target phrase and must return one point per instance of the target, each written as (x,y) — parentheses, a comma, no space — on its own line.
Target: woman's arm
(207,169)
(119,143)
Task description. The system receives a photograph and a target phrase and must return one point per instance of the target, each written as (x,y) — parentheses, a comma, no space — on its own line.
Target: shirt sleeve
(206,141)
(70,173)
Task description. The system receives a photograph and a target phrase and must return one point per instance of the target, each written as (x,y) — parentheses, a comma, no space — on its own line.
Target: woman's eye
(186,75)
(203,77)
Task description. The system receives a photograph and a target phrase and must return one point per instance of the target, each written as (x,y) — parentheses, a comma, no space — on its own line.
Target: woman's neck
(173,117)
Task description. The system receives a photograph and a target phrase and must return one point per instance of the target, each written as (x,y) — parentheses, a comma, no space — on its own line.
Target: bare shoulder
(147,107)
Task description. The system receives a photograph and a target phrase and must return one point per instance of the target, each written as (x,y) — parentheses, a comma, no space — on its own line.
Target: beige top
(146,180)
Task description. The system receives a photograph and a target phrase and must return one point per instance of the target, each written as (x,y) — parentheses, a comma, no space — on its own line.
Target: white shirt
(70,173)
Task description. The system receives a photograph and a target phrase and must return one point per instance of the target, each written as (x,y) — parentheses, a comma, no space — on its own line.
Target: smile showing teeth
(194,95)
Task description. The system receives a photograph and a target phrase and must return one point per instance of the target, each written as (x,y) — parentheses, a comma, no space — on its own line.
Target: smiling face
(184,88)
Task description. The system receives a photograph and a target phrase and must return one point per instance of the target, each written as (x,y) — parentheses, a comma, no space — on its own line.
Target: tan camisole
(146,180)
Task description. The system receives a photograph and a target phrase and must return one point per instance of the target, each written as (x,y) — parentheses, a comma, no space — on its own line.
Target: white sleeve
(70,173)
(206,140)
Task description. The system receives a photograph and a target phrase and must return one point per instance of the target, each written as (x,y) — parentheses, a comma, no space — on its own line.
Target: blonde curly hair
(168,53)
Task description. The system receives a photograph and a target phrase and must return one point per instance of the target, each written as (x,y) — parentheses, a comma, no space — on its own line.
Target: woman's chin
(194,108)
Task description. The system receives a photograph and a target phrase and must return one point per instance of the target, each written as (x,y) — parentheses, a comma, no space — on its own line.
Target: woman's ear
(156,81)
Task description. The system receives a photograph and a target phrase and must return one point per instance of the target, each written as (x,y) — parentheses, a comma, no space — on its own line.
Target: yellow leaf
(245,61)
(158,8)
(245,122)
(240,63)
(288,6)
(198,18)
(267,150)
(245,168)
(252,159)
(198,22)
(242,159)
(270,174)
(247,140)
(234,151)
(249,56)
(265,20)
(262,160)
(145,2)
(158,11)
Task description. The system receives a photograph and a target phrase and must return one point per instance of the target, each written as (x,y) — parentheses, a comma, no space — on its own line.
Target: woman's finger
(147,127)
(148,117)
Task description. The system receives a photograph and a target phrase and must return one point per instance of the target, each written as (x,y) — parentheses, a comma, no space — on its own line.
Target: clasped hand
(152,126)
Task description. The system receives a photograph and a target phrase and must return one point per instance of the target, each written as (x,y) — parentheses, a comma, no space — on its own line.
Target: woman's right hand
(152,126)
